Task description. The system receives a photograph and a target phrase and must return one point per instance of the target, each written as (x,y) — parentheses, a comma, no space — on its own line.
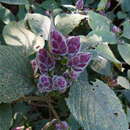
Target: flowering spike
(73,44)
(45,61)
(57,41)
(45,83)
(59,83)
(79,4)
(80,61)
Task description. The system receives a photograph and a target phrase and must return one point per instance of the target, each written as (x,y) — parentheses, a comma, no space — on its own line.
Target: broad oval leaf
(16,34)
(102,4)
(5,116)
(96,106)
(124,51)
(67,22)
(15,74)
(123,82)
(98,22)
(15,2)
(39,24)
(126,29)
(103,36)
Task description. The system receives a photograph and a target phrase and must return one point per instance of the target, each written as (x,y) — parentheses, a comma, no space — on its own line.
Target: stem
(52,109)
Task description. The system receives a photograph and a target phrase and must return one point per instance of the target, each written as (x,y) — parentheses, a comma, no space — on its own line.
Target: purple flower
(62,126)
(59,83)
(19,128)
(108,4)
(57,42)
(116,29)
(73,44)
(79,4)
(80,61)
(45,61)
(74,75)
(45,83)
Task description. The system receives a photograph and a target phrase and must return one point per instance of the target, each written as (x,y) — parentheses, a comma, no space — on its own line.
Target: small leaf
(96,106)
(123,82)
(49,4)
(101,66)
(5,116)
(67,22)
(102,4)
(124,51)
(98,22)
(39,24)
(5,15)
(15,2)
(16,34)
(126,29)
(104,51)
(15,74)
(103,36)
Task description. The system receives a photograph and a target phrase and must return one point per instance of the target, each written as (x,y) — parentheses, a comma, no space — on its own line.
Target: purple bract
(57,42)
(45,83)
(80,61)
(62,126)
(45,61)
(73,44)
(59,83)
(79,4)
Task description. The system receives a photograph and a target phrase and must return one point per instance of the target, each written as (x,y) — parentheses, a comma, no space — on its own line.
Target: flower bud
(80,61)
(74,75)
(57,42)
(59,83)
(62,126)
(73,44)
(34,65)
(79,4)
(45,61)
(116,29)
(45,83)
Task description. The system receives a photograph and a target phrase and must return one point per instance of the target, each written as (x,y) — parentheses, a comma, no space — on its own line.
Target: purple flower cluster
(61,63)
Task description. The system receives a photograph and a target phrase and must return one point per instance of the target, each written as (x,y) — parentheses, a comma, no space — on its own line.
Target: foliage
(64,64)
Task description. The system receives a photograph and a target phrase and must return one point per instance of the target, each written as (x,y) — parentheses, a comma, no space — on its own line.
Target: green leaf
(15,2)
(15,74)
(5,116)
(73,124)
(121,15)
(5,15)
(49,4)
(104,51)
(39,24)
(98,22)
(125,5)
(67,22)
(101,66)
(96,106)
(103,36)
(16,34)
(123,82)
(102,4)
(124,50)
(126,29)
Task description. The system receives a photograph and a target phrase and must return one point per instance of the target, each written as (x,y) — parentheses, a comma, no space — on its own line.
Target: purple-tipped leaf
(45,61)
(73,44)
(44,83)
(80,61)
(79,4)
